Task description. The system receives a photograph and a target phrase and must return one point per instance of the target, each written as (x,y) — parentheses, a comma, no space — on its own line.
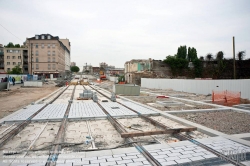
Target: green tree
(17,46)
(198,67)
(177,65)
(74,69)
(182,52)
(219,56)
(192,54)
(10,45)
(16,70)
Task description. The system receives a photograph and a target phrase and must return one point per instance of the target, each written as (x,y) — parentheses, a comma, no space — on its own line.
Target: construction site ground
(18,97)
(92,137)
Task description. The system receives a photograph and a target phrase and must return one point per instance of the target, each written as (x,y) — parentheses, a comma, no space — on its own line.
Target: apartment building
(50,55)
(16,57)
(1,59)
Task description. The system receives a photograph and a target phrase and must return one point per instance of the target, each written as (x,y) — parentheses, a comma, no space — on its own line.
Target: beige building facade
(50,56)
(16,57)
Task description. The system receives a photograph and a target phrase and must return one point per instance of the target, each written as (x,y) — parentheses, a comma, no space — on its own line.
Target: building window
(42,45)
(42,36)
(49,66)
(49,37)
(13,57)
(48,53)
(19,63)
(54,59)
(36,45)
(8,57)
(37,36)
(8,69)
(54,66)
(9,51)
(14,63)
(8,63)
(53,53)
(19,57)
(36,53)
(37,60)
(48,59)
(48,45)
(53,45)
(37,66)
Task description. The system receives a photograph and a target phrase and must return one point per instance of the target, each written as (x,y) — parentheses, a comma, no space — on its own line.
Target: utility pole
(234,58)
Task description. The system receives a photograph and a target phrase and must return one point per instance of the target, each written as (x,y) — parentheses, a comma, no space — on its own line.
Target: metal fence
(199,86)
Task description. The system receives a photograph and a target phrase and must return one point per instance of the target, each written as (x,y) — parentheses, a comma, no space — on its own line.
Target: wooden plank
(157,132)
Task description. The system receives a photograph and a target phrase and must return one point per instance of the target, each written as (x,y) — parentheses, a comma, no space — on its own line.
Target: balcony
(1,53)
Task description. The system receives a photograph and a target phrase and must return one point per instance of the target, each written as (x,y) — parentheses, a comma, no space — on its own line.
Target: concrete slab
(51,112)
(85,110)
(115,109)
(25,113)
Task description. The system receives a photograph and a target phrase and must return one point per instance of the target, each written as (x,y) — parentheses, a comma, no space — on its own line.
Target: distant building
(115,71)
(87,69)
(16,57)
(145,68)
(50,55)
(96,70)
(1,59)
(103,65)
(72,64)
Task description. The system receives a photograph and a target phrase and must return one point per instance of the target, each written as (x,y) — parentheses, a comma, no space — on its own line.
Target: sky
(116,31)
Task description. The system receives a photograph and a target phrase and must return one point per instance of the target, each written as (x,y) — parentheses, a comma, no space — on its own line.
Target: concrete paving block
(161,160)
(145,162)
(174,154)
(156,146)
(66,164)
(199,154)
(129,157)
(108,163)
(177,150)
(133,153)
(114,159)
(180,161)
(97,161)
(73,161)
(91,164)
(172,158)
(119,155)
(104,157)
(187,152)
(140,159)
(185,156)
(196,158)
(164,152)
(124,161)
(209,156)
(160,156)
(135,164)
(81,163)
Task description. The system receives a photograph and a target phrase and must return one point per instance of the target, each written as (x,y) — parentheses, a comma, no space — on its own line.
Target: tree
(192,54)
(202,58)
(74,69)
(10,45)
(17,46)
(182,52)
(16,70)
(177,65)
(209,57)
(219,55)
(198,67)
(241,55)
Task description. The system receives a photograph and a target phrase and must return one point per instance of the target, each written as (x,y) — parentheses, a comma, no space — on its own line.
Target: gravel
(229,122)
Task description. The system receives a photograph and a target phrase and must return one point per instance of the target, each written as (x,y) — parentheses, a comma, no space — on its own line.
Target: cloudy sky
(116,31)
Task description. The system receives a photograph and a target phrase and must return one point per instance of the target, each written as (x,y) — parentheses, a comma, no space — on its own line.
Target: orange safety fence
(227,98)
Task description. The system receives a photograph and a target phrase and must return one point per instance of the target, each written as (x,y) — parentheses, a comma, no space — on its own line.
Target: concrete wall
(33,83)
(199,86)
(126,89)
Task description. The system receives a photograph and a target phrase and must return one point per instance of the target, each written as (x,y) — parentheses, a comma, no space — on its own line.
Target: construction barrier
(227,98)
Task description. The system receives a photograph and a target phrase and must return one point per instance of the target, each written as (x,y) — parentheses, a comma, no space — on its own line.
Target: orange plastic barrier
(227,98)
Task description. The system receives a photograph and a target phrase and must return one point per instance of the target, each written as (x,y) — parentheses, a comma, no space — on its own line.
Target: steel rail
(55,150)
(8,136)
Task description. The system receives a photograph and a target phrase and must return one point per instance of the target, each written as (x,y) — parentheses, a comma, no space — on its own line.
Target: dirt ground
(18,97)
